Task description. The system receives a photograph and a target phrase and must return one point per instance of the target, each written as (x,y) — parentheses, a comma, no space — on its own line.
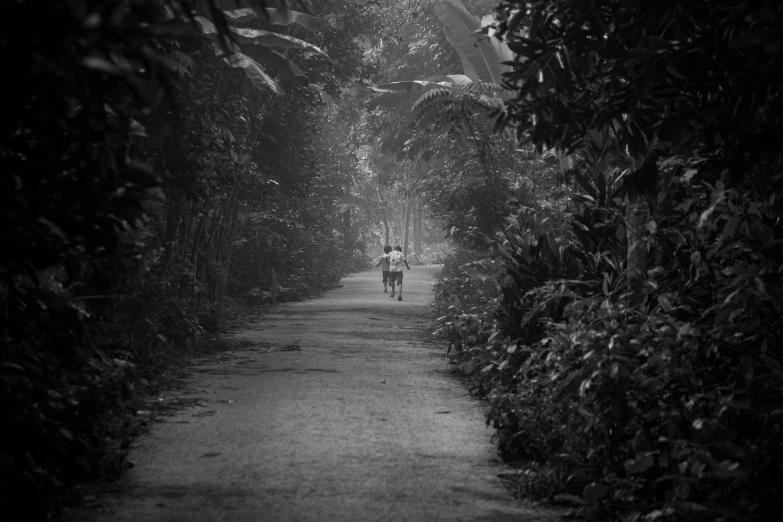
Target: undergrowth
(662,401)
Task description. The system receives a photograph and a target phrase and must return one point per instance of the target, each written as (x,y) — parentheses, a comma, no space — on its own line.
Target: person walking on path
(384,263)
(396,260)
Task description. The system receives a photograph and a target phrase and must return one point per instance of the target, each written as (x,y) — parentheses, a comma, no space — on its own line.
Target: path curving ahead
(364,423)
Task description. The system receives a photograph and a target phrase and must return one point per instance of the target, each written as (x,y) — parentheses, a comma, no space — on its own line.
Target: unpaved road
(364,423)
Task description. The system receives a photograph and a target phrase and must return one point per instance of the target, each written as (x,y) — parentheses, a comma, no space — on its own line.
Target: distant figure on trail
(384,263)
(396,260)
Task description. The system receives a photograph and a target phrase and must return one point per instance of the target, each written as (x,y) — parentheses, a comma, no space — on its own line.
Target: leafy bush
(635,355)
(122,201)
(660,402)
(466,295)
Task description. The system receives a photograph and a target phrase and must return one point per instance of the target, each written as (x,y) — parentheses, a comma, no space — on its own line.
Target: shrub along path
(339,410)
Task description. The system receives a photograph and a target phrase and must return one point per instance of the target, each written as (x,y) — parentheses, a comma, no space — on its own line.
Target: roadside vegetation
(153,186)
(624,322)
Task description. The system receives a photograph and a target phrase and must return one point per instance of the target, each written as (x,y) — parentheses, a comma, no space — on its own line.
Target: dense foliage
(151,182)
(633,355)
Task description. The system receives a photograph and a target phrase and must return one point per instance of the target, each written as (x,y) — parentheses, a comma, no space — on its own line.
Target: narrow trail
(362,423)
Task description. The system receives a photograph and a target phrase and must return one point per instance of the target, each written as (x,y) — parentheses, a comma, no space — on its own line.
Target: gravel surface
(340,409)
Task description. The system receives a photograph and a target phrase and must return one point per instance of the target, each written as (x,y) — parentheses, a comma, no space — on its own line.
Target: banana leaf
(505,54)
(254,72)
(459,81)
(270,58)
(466,65)
(261,37)
(465,30)
(280,17)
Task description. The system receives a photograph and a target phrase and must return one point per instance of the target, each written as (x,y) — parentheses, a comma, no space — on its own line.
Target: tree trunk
(193,230)
(407,221)
(347,228)
(386,227)
(224,221)
(274,287)
(398,217)
(181,238)
(222,251)
(414,218)
(191,217)
(636,217)
(228,247)
(172,225)
(383,215)
(212,230)
(197,237)
(347,242)
(419,218)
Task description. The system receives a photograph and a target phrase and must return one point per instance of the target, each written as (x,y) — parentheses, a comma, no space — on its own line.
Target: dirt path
(363,423)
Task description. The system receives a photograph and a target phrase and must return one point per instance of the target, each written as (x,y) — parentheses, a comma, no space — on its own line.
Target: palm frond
(432,96)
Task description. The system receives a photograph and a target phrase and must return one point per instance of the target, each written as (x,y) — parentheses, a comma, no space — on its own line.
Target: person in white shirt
(396,260)
(384,263)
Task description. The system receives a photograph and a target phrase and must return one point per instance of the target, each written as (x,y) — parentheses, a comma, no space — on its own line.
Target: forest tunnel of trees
(601,178)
